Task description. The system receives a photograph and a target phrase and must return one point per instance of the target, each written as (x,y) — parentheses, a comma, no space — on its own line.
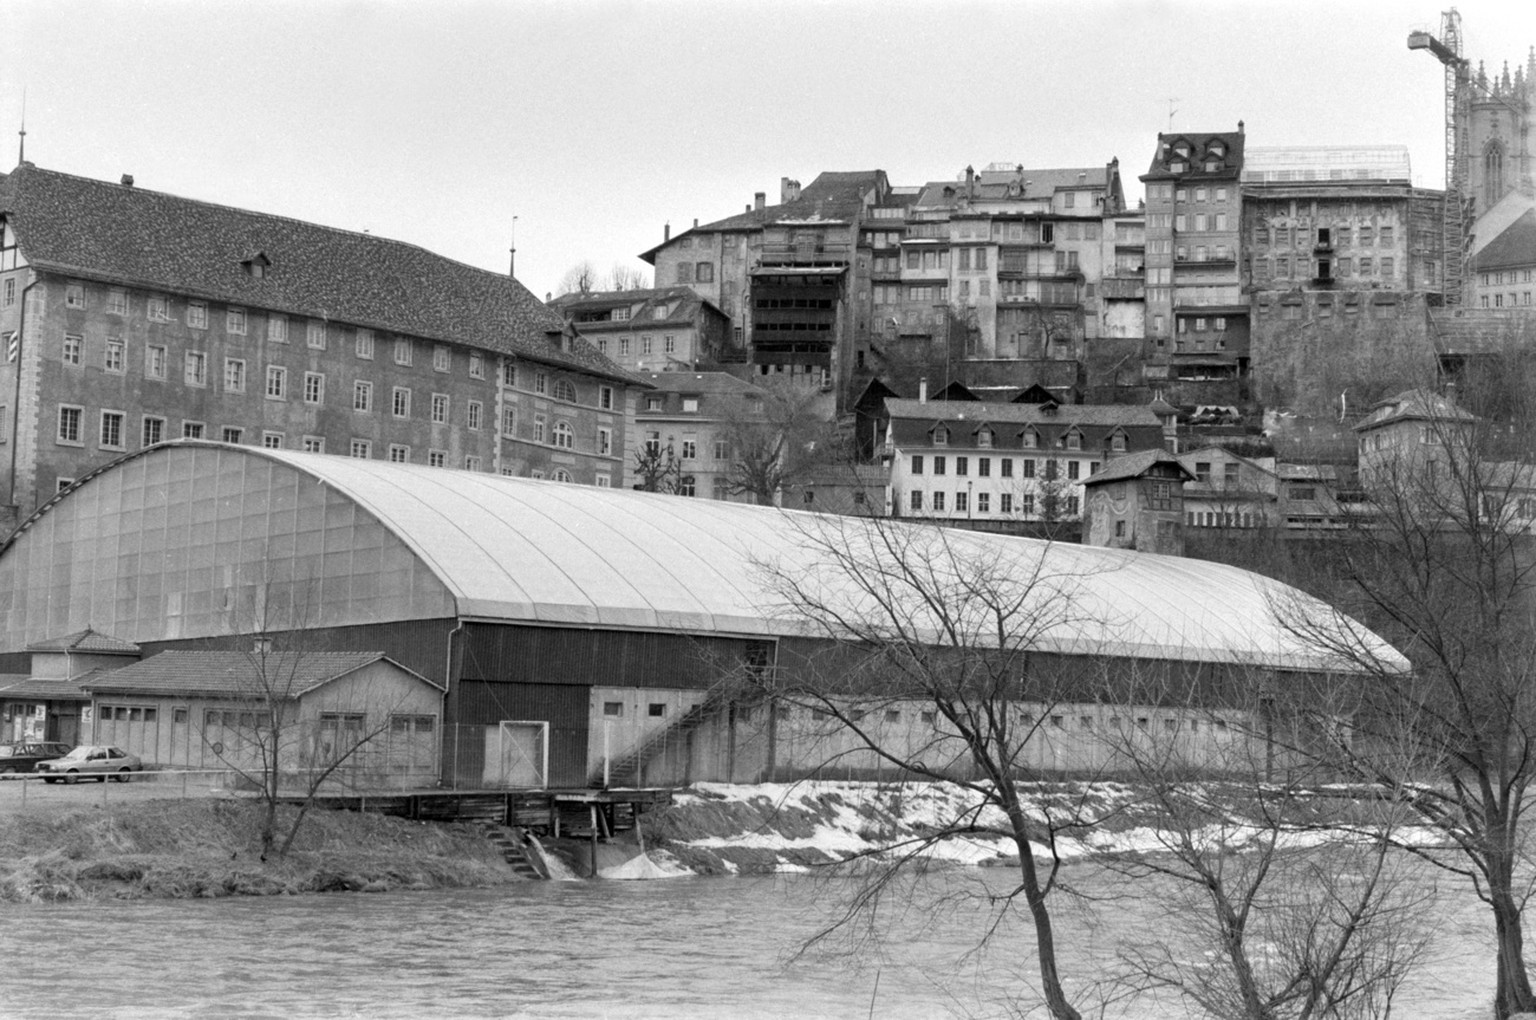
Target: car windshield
(7,751)
(78,753)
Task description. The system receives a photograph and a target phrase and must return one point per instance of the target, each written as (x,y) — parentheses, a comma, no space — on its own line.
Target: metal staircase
(623,770)
(514,850)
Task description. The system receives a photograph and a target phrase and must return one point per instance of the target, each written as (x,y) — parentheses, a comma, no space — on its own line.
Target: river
(683,948)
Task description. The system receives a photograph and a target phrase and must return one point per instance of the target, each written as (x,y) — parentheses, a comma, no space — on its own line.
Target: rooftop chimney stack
(759,200)
(970,183)
(922,390)
(127,180)
(666,232)
(789,190)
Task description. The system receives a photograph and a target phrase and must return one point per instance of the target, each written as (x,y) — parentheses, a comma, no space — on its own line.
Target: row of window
(1500,302)
(1306,268)
(689,272)
(689,450)
(1047,468)
(647,345)
(1502,277)
(1305,237)
(1029,439)
(1024,504)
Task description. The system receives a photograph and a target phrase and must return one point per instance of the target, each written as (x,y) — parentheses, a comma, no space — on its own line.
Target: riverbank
(199,848)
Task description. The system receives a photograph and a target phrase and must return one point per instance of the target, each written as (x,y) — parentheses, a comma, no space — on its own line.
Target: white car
(96,760)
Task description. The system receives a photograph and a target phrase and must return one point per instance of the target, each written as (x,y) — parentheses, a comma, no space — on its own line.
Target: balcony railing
(806,252)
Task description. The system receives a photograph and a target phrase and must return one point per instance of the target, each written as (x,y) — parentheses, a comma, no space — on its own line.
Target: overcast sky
(594,123)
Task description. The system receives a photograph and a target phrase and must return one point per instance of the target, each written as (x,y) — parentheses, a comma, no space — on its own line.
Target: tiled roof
(1515,245)
(127,234)
(833,195)
(232,674)
(1199,143)
(682,303)
(697,382)
(1036,184)
(1024,414)
(1134,465)
(86,640)
(52,689)
(1417,405)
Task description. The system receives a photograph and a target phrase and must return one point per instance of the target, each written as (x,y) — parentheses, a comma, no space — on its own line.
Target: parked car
(96,760)
(23,757)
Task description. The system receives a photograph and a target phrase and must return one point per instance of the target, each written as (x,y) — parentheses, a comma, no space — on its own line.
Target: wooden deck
(558,811)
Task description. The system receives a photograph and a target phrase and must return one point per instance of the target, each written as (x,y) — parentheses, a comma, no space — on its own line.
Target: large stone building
(993,278)
(664,329)
(1005,465)
(1342,256)
(131,317)
(688,421)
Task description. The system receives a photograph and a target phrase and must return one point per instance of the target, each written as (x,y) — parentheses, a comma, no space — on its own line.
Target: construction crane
(1457,219)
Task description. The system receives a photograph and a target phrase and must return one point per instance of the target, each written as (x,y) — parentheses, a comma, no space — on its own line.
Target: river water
(683,948)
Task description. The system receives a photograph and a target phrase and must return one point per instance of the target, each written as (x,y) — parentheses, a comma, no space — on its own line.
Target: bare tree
(928,620)
(657,467)
(778,435)
(259,733)
(1444,567)
(580,279)
(622,277)
(1283,897)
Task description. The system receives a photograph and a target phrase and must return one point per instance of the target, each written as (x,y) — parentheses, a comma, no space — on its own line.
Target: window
(234,322)
(442,361)
(509,421)
(197,314)
(192,430)
(917,499)
(613,709)
(565,390)
(509,374)
(400,402)
(645,345)
(117,299)
(112,430)
(938,502)
(917,463)
(473,414)
(399,454)
(539,423)
(962,502)
(157,309)
(234,375)
(471,463)
(365,344)
(564,437)
(439,408)
(277,382)
(232,434)
(623,345)
(940,465)
(272,440)
(361,449)
(962,465)
(540,382)
(669,344)
(983,502)
(313,444)
(71,353)
(605,441)
(1073,467)
(362,396)
(195,368)
(152,430)
(605,398)
(74,296)
(69,424)
(476,365)
(154,361)
(402,351)
(1005,502)
(1007,467)
(314,388)
(314,335)
(704,273)
(113,359)
(690,447)
(437,458)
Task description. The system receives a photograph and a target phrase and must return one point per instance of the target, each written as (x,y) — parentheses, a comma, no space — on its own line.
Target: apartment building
(691,415)
(131,317)
(1196,314)
(666,329)
(979,461)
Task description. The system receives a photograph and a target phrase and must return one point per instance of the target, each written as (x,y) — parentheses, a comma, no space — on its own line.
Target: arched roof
(535,551)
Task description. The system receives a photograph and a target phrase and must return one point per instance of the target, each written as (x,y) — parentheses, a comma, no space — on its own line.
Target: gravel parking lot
(30,793)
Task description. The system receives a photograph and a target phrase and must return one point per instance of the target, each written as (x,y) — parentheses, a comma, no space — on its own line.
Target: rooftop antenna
(1171,111)
(512,253)
(21,155)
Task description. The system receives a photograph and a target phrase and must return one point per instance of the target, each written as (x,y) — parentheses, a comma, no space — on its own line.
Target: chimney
(970,182)
(1239,127)
(695,223)
(759,200)
(127,180)
(922,390)
(666,232)
(789,190)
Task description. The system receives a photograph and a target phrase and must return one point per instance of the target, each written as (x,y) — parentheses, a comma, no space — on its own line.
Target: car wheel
(50,780)
(121,777)
(72,777)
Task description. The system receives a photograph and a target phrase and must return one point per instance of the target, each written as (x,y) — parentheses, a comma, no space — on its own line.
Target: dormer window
(1117,442)
(659,312)
(255,264)
(1212,165)
(621,315)
(941,436)
(690,405)
(1031,439)
(1178,166)
(1073,440)
(1218,150)
(984,439)
(1181,150)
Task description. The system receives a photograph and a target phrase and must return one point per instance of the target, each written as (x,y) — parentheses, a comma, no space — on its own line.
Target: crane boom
(1456,222)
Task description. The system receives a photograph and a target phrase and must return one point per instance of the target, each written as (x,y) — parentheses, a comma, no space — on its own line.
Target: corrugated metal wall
(570,655)
(564,706)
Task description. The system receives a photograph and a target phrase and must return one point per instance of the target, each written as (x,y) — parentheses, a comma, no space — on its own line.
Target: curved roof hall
(544,552)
